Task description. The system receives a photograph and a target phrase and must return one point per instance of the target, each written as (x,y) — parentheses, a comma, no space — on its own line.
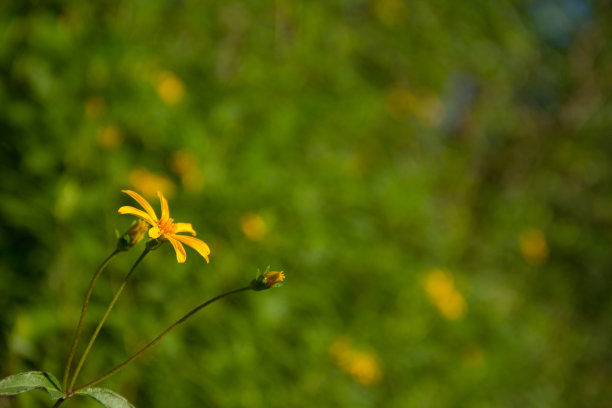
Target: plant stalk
(83,310)
(59,402)
(108,310)
(158,338)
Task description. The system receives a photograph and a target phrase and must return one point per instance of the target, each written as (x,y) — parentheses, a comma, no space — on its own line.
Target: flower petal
(181,255)
(273,278)
(154,232)
(196,244)
(165,212)
(184,227)
(126,209)
(144,203)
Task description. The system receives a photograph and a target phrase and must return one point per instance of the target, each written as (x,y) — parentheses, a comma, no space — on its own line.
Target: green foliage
(22,382)
(433,177)
(106,397)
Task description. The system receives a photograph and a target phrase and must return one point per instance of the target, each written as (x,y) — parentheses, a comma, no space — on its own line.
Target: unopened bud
(268,279)
(133,235)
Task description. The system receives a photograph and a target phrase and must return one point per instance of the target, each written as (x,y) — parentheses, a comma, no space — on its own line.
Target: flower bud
(133,235)
(268,279)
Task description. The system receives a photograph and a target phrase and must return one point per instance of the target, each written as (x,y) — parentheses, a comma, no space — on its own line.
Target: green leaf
(106,397)
(22,382)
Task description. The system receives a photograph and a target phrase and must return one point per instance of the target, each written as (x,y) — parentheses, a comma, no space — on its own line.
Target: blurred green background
(433,177)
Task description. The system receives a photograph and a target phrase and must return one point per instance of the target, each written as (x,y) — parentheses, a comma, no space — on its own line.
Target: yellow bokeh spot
(169,88)
(390,12)
(95,107)
(533,246)
(253,226)
(362,365)
(364,368)
(109,137)
(424,105)
(186,166)
(440,288)
(149,183)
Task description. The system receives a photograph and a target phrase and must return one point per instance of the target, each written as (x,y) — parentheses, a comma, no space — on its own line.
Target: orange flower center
(166,227)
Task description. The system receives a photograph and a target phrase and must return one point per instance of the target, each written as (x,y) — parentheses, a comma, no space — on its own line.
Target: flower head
(268,279)
(273,279)
(165,227)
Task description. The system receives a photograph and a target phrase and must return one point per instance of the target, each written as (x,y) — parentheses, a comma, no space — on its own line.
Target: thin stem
(59,402)
(83,310)
(108,310)
(158,338)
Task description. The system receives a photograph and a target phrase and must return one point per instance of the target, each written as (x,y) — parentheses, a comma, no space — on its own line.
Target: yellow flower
(170,88)
(165,227)
(362,365)
(441,289)
(364,368)
(268,279)
(273,278)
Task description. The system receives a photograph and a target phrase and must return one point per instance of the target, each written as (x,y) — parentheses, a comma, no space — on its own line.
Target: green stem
(108,310)
(83,310)
(158,338)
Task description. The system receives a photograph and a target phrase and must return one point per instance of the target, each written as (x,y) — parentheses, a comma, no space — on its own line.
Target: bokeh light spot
(169,88)
(253,226)
(362,365)
(533,246)
(149,183)
(441,290)
(109,137)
